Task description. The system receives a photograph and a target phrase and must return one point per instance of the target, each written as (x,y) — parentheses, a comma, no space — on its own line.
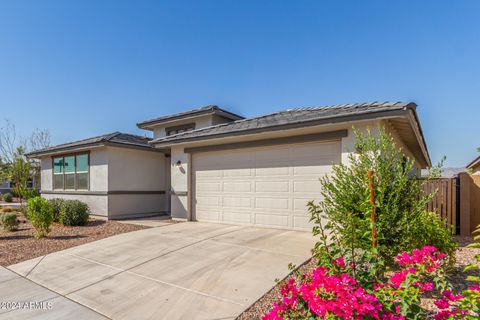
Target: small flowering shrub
(335,294)
(466,305)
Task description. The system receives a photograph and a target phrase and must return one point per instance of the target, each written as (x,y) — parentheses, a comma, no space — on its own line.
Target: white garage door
(267,186)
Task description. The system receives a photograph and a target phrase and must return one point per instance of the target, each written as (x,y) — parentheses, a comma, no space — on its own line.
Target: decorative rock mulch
(21,245)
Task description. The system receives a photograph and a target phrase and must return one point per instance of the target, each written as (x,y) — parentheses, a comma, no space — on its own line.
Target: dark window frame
(75,173)
(180,128)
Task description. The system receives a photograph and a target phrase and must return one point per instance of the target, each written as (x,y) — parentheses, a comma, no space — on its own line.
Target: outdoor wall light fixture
(178,164)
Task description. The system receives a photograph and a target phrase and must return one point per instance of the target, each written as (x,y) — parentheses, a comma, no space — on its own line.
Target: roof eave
(88,146)
(475,162)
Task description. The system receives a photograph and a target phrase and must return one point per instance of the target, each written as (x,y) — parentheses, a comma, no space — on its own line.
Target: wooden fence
(445,200)
(469,202)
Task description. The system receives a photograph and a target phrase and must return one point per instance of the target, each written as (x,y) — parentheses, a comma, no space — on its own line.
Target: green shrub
(40,215)
(56,204)
(30,193)
(7,197)
(398,199)
(8,221)
(74,213)
(430,230)
(7,209)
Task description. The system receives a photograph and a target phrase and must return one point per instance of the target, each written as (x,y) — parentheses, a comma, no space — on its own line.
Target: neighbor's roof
(207,110)
(112,139)
(299,117)
(474,163)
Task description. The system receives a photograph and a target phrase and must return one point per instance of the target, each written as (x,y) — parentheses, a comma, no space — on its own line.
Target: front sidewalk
(23,299)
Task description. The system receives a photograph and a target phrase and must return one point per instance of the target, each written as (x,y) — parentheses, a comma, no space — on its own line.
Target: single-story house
(209,164)
(474,166)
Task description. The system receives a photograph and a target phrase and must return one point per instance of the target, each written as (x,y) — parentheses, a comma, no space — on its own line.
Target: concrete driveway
(180,271)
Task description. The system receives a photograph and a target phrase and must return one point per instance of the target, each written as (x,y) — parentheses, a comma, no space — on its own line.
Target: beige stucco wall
(200,122)
(133,169)
(127,205)
(179,183)
(117,169)
(388,128)
(98,204)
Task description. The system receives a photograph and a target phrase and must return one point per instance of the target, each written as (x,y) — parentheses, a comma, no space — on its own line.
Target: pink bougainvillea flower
(339,262)
(444,314)
(442,303)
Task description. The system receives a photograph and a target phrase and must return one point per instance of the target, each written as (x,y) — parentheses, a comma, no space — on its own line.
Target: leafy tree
(19,172)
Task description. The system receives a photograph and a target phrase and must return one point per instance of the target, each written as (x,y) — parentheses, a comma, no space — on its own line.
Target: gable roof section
(475,162)
(112,139)
(207,110)
(301,117)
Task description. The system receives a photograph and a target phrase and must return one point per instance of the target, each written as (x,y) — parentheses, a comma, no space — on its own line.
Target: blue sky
(81,68)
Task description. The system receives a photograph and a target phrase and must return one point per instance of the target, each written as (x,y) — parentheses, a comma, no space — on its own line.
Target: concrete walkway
(178,271)
(21,298)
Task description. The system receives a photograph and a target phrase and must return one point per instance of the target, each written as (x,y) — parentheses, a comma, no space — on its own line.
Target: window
(71,172)
(179,129)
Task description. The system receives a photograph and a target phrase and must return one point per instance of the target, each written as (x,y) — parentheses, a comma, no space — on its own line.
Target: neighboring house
(474,166)
(209,164)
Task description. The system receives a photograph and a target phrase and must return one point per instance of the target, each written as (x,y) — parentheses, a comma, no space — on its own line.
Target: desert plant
(8,221)
(398,197)
(7,197)
(40,216)
(56,204)
(74,213)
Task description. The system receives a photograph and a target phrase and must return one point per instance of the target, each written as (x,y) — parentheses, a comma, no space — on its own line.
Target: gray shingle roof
(120,138)
(210,109)
(295,116)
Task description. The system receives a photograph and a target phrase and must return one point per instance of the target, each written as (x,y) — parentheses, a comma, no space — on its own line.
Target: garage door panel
(208,214)
(237,202)
(302,222)
(237,172)
(272,204)
(310,186)
(208,174)
(205,201)
(237,186)
(273,220)
(271,186)
(209,186)
(238,217)
(278,154)
(300,204)
(267,186)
